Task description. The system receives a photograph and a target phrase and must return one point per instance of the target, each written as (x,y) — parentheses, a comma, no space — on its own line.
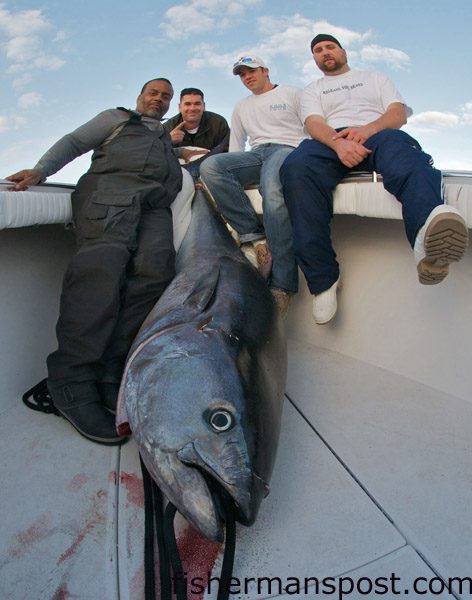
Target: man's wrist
(337,143)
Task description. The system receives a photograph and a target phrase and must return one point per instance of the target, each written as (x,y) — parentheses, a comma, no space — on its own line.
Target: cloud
(24,36)
(23,22)
(435,121)
(432,121)
(198,16)
(29,99)
(288,37)
(396,59)
(289,31)
(280,37)
(206,56)
(22,80)
(467,113)
(8,122)
(21,48)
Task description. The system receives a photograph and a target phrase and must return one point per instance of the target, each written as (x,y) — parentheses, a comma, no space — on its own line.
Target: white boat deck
(358,492)
(374,472)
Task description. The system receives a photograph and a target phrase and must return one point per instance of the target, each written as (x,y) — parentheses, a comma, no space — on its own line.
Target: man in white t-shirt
(269,120)
(354,119)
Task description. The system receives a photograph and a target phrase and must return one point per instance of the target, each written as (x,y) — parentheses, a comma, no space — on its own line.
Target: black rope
(164,564)
(180,585)
(38,398)
(153,519)
(161,522)
(149,573)
(228,557)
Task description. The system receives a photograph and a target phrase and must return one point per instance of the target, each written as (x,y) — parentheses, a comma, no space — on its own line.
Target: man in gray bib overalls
(125,257)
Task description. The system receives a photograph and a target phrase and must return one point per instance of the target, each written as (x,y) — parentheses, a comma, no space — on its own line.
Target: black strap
(167,545)
(149,578)
(153,522)
(180,585)
(38,398)
(228,557)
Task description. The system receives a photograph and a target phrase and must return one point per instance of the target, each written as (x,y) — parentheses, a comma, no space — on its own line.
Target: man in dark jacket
(125,257)
(196,133)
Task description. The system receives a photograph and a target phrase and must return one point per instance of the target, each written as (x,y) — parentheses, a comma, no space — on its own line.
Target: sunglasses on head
(244,61)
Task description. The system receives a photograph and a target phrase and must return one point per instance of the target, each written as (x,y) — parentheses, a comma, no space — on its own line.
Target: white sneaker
(325,304)
(442,239)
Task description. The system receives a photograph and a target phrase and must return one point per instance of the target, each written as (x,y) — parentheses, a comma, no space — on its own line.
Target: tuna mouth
(205,483)
(223,502)
(231,484)
(222,493)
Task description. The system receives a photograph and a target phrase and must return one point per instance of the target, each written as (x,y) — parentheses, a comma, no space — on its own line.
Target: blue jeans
(311,173)
(226,175)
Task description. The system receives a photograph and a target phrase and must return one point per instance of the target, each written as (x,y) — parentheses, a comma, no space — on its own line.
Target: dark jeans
(310,174)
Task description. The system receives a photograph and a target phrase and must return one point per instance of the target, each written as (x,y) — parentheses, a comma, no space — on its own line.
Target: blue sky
(61,63)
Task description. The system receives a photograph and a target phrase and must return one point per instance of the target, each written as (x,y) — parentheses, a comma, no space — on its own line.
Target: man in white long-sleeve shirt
(269,120)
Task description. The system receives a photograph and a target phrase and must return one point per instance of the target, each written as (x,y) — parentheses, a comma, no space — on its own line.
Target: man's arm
(238,135)
(86,137)
(350,153)
(393,118)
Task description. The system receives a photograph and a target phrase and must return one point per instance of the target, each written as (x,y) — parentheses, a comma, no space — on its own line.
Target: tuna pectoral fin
(202,295)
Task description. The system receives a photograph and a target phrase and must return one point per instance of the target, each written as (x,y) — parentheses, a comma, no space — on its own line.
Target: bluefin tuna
(204,381)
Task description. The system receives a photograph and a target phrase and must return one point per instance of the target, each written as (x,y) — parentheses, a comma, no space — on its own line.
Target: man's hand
(356,134)
(177,135)
(24,178)
(187,154)
(350,153)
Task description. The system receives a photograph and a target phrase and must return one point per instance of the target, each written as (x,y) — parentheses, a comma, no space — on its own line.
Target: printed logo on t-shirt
(343,88)
(278,107)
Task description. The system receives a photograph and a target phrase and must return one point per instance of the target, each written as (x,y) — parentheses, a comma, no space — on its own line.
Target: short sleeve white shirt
(353,98)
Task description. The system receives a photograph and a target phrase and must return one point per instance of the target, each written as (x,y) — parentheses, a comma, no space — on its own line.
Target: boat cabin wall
(385,316)
(33,261)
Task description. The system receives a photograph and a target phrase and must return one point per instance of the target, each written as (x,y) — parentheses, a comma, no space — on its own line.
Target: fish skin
(214,341)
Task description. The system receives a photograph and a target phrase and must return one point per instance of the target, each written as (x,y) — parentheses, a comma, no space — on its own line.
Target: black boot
(81,405)
(109,394)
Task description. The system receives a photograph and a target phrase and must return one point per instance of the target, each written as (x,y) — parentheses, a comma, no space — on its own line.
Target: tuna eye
(221,420)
